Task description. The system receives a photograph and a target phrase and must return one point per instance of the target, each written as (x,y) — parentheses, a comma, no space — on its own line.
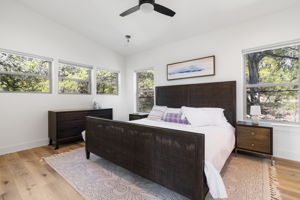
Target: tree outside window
(22,73)
(107,82)
(74,79)
(145,90)
(272,81)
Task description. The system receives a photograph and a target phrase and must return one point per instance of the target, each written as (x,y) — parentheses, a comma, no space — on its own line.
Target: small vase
(96,106)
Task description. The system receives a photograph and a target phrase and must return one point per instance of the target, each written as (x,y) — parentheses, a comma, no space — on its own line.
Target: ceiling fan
(148,6)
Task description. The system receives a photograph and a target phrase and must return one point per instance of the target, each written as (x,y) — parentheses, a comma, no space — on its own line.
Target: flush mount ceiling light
(147,6)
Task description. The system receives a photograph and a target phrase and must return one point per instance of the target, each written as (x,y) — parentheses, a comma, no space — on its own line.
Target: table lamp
(255,112)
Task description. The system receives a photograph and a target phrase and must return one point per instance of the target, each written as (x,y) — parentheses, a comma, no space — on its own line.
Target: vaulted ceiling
(99,20)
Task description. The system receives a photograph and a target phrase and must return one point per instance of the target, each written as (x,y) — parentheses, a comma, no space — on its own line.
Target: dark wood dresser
(255,138)
(66,126)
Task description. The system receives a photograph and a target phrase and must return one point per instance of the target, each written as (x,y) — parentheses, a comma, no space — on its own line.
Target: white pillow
(173,110)
(204,116)
(157,113)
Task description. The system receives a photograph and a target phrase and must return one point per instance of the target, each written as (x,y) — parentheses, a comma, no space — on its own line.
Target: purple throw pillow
(175,118)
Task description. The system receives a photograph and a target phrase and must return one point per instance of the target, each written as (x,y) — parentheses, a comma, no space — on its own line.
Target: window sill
(108,94)
(285,124)
(294,125)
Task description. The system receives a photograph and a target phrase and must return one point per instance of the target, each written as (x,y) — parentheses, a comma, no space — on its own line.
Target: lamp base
(255,119)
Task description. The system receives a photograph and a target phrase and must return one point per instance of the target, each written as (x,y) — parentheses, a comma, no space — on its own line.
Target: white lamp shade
(255,110)
(147,7)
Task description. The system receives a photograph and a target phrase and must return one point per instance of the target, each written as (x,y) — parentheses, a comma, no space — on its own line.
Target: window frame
(137,89)
(246,86)
(89,81)
(108,70)
(28,55)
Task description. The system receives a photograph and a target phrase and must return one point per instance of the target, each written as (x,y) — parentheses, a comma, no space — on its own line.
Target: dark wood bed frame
(171,158)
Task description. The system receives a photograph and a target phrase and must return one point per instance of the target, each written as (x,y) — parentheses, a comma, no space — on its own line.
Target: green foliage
(23,74)
(145,90)
(271,71)
(145,80)
(73,72)
(73,87)
(73,79)
(107,82)
(275,67)
(278,103)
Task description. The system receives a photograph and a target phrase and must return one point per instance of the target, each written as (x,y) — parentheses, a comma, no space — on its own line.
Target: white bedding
(219,143)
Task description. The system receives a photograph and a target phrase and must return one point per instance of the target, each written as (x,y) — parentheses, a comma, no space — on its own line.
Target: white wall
(226,45)
(23,117)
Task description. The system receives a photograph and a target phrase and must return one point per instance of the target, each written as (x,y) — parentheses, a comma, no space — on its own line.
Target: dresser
(67,125)
(255,138)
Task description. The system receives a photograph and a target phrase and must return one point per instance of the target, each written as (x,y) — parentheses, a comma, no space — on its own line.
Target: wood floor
(288,174)
(25,176)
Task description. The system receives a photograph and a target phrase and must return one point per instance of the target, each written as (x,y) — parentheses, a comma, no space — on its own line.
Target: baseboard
(287,162)
(24,146)
(287,155)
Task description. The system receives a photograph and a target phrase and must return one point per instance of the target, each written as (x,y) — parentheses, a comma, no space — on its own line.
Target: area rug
(246,178)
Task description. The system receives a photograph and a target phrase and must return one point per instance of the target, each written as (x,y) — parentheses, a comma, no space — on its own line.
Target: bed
(169,155)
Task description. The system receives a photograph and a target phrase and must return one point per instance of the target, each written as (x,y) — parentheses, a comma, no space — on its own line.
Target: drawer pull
(252,145)
(252,133)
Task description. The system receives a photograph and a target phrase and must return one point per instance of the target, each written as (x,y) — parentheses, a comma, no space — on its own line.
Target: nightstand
(255,138)
(136,116)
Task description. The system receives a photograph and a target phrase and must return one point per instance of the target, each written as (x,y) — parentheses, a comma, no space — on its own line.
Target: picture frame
(199,67)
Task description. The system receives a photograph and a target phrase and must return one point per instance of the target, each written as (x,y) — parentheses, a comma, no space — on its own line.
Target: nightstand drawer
(255,139)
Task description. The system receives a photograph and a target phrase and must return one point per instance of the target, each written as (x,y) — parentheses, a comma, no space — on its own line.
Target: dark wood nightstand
(136,116)
(255,138)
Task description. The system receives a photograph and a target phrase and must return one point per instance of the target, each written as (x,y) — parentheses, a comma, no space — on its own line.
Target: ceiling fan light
(147,7)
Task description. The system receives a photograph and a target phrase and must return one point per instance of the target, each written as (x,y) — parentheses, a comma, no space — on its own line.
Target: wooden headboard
(218,94)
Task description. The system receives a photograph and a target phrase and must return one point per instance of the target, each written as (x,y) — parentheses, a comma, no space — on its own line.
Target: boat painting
(192,68)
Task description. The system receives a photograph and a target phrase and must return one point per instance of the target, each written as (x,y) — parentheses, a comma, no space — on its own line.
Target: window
(145,90)
(107,82)
(24,73)
(74,78)
(272,81)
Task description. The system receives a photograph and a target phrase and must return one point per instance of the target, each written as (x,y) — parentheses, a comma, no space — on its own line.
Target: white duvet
(219,143)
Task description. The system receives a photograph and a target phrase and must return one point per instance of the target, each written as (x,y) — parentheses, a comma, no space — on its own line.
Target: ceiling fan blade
(129,11)
(164,10)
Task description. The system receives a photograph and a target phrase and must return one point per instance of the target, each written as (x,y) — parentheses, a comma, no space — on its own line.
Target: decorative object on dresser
(136,116)
(96,105)
(66,126)
(191,68)
(255,138)
(255,112)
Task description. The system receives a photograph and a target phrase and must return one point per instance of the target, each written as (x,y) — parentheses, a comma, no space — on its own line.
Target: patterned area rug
(246,178)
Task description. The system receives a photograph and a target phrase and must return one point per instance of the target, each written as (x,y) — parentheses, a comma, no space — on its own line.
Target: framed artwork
(191,68)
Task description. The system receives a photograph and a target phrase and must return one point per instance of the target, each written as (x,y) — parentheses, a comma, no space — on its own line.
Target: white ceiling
(99,20)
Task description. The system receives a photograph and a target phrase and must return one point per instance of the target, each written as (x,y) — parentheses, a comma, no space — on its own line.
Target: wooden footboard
(171,158)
